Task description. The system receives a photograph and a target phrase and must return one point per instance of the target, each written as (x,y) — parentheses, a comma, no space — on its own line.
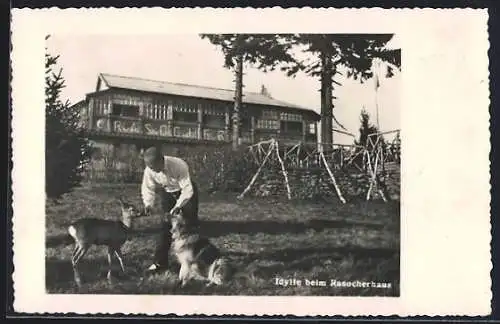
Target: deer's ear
(120,200)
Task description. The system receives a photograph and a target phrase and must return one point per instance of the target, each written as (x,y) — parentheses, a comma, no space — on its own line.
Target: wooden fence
(223,169)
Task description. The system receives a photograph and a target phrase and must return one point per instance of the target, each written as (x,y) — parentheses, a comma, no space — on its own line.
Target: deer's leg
(74,253)
(76,274)
(120,258)
(110,262)
(78,253)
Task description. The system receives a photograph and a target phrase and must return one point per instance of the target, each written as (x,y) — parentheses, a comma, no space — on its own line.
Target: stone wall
(316,183)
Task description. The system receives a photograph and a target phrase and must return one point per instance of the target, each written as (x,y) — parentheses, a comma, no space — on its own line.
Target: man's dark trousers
(190,213)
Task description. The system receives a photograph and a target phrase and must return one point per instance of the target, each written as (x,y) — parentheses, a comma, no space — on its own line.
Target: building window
(188,107)
(268,124)
(214,121)
(149,111)
(186,117)
(101,107)
(170,110)
(246,124)
(213,109)
(157,110)
(290,117)
(269,114)
(125,110)
(312,128)
(291,127)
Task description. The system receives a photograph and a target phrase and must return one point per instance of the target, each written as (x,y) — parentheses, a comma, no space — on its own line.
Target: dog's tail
(249,274)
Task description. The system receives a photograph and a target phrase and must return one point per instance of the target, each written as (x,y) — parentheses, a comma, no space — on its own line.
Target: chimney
(264,91)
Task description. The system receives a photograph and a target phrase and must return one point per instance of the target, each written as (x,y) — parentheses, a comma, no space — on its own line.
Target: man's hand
(175,211)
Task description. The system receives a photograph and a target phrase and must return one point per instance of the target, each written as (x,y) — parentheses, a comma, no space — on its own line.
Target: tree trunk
(326,96)
(322,96)
(238,99)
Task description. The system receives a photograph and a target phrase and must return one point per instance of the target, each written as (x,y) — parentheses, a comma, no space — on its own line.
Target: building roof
(188,90)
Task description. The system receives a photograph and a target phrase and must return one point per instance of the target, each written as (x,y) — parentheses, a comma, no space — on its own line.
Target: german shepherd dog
(199,258)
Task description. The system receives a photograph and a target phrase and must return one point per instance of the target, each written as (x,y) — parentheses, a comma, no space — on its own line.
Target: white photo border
(445,181)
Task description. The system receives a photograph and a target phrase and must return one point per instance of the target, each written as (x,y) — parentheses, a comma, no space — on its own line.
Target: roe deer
(111,233)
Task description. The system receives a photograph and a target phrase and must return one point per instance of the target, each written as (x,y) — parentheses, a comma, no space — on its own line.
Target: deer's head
(129,212)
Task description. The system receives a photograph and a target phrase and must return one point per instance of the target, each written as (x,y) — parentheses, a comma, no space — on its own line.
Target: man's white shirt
(174,177)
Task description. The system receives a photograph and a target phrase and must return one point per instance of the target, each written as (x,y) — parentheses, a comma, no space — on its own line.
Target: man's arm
(186,191)
(185,184)
(148,189)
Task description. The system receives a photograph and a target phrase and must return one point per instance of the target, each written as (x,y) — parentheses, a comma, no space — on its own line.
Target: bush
(214,168)
(221,168)
(66,148)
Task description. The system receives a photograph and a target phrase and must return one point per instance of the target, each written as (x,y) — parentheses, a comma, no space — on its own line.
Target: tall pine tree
(331,53)
(366,128)
(265,51)
(336,53)
(67,151)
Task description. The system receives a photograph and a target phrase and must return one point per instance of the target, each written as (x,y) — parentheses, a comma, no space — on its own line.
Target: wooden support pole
(288,152)
(262,142)
(377,179)
(298,155)
(238,101)
(374,177)
(227,123)
(200,121)
(252,129)
(367,154)
(304,130)
(332,177)
(288,192)
(256,159)
(91,113)
(257,173)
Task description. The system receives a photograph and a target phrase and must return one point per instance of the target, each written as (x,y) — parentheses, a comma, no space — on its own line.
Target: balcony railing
(170,128)
(185,130)
(214,134)
(128,125)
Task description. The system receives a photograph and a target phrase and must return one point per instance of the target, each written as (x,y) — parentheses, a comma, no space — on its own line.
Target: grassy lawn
(267,239)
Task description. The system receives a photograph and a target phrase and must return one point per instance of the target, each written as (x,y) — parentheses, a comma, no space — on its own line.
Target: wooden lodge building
(126,113)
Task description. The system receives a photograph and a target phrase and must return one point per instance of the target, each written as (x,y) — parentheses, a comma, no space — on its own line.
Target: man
(172,176)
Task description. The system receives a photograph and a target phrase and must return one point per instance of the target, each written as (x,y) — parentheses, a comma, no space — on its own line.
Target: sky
(186,58)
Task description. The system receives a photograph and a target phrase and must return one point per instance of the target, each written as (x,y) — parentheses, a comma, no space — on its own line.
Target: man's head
(153,159)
